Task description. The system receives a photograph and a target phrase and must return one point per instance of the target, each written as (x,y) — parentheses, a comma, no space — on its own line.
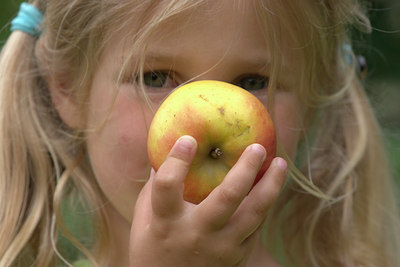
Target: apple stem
(216,153)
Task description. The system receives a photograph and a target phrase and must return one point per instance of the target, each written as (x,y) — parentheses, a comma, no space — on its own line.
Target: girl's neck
(120,233)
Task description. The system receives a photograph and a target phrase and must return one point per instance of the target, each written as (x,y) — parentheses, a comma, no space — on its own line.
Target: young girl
(79,83)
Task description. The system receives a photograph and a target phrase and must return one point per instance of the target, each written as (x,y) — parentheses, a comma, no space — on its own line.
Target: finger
(143,210)
(253,210)
(167,188)
(222,202)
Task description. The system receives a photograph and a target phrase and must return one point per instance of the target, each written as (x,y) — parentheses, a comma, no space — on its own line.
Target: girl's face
(218,41)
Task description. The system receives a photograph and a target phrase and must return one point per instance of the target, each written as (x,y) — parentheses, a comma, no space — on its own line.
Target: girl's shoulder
(82,263)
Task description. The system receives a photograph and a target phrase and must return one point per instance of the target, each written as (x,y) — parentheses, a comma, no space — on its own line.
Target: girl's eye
(252,83)
(157,79)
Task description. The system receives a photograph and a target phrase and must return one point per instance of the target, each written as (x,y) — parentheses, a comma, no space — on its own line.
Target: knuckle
(160,230)
(165,182)
(228,253)
(275,190)
(195,241)
(260,210)
(274,184)
(252,164)
(179,164)
(229,194)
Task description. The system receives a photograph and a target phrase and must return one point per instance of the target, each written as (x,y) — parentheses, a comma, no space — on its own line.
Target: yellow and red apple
(223,118)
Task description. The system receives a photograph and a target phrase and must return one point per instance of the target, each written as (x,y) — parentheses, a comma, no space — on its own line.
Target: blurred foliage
(381,48)
(8,10)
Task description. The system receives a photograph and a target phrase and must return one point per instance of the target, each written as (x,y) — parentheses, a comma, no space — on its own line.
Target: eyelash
(168,80)
(152,79)
(263,80)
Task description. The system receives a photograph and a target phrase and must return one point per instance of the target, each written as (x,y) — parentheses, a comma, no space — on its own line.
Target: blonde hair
(337,210)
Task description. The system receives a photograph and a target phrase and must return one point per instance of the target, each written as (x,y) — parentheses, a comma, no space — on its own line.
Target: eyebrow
(252,61)
(160,57)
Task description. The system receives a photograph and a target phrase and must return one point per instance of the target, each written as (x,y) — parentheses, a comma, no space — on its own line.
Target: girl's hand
(221,230)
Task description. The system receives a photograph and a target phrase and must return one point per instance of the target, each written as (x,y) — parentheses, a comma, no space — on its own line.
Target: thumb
(143,209)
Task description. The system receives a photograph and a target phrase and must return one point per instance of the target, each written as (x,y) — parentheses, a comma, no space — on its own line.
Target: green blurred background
(381,49)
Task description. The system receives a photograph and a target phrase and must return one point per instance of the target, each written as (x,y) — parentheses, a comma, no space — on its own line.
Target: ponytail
(25,165)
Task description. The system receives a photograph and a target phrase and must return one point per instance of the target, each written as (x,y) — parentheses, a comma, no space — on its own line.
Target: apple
(223,118)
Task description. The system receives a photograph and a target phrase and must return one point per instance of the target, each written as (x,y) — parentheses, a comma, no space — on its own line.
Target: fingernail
(185,143)
(281,163)
(259,150)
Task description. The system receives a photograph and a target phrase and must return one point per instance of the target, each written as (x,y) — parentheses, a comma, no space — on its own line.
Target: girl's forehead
(160,19)
(216,27)
(213,27)
(194,23)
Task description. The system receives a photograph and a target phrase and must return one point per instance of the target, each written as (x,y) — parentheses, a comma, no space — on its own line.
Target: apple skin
(218,115)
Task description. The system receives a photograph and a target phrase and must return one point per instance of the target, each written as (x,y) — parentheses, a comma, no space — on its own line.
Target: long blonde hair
(337,210)
(351,217)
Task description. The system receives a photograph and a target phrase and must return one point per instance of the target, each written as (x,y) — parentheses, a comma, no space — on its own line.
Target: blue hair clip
(360,61)
(28,20)
(348,50)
